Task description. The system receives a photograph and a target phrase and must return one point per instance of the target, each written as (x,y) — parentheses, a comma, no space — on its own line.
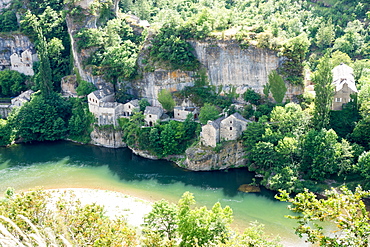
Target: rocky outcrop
(68,86)
(200,158)
(228,65)
(13,43)
(107,137)
(153,82)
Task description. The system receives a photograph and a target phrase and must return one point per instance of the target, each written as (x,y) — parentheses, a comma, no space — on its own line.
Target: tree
(325,34)
(162,219)
(252,97)
(84,88)
(277,86)
(29,219)
(295,50)
(143,103)
(12,83)
(80,123)
(166,100)
(119,61)
(44,118)
(208,112)
(193,226)
(44,76)
(345,209)
(324,89)
(5,133)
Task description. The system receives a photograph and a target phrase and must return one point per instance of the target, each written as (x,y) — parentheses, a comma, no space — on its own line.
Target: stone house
(22,98)
(102,105)
(181,112)
(22,63)
(223,129)
(152,115)
(344,84)
(130,107)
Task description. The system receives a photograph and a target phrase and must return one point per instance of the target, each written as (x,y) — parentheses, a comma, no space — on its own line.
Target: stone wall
(232,154)
(107,137)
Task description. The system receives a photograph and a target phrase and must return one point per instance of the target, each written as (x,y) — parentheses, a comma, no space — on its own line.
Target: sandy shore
(115,203)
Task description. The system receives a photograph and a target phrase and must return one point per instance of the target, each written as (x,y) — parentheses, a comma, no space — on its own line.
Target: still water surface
(69,165)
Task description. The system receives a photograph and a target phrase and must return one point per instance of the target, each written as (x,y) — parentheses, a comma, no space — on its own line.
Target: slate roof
(240,117)
(343,74)
(216,123)
(153,110)
(134,102)
(102,93)
(25,96)
(110,104)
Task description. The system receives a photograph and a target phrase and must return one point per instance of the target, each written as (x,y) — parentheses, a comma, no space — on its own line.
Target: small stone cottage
(22,98)
(152,115)
(181,112)
(223,129)
(130,107)
(22,63)
(344,84)
(102,105)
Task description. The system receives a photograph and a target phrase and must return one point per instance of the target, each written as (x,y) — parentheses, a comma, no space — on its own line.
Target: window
(231,122)
(129,107)
(231,128)
(338,99)
(150,116)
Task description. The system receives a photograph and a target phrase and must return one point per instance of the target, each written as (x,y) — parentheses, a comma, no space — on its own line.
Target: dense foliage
(12,83)
(163,139)
(344,208)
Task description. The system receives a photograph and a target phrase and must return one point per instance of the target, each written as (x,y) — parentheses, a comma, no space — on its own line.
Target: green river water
(69,165)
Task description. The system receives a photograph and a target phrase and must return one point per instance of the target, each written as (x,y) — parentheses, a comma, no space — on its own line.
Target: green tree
(162,219)
(5,133)
(290,119)
(84,88)
(320,153)
(252,97)
(80,123)
(8,21)
(166,100)
(12,83)
(361,133)
(119,61)
(44,118)
(325,34)
(208,112)
(143,103)
(345,209)
(324,90)
(295,50)
(277,86)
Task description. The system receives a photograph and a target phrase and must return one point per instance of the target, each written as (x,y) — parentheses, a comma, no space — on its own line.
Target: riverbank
(115,203)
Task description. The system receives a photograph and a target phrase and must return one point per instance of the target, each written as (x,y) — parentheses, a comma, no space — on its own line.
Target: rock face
(230,66)
(231,155)
(153,82)
(107,137)
(13,43)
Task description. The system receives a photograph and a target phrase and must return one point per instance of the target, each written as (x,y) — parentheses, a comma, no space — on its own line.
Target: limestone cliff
(107,137)
(153,82)
(202,158)
(228,65)
(13,43)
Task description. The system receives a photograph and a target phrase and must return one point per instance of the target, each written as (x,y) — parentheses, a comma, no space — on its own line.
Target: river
(69,165)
